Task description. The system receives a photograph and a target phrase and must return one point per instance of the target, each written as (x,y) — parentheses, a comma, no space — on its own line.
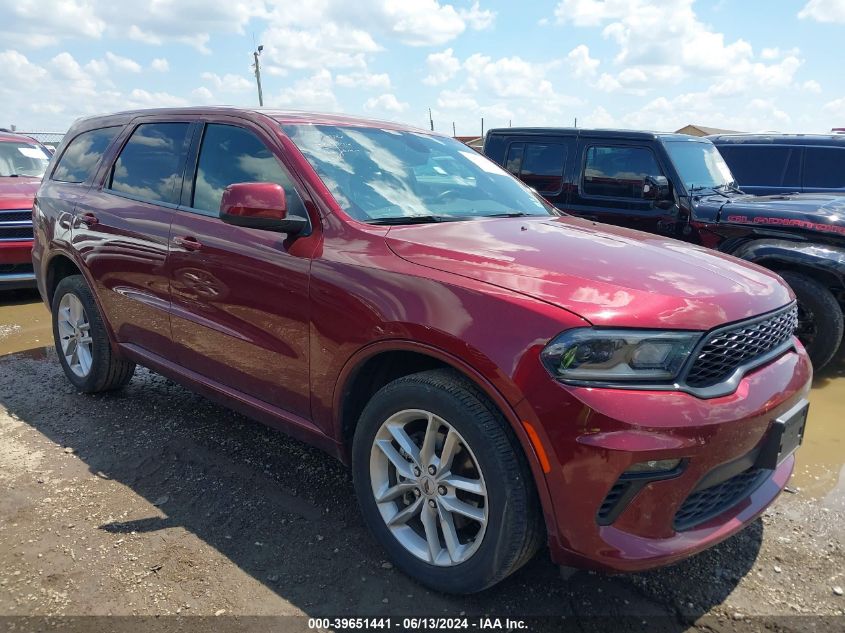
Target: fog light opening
(653,467)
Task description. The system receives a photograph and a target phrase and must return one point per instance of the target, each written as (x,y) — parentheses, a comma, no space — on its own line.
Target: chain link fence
(48,138)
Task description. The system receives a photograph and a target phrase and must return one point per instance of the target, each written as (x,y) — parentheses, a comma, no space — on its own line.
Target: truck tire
(820,320)
(443,484)
(82,342)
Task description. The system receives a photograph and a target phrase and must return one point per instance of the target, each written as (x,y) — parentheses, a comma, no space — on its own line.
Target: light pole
(258,75)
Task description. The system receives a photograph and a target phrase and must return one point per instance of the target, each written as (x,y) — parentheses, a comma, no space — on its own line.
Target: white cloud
(478,18)
(836,109)
(66,67)
(386,102)
(812,86)
(580,62)
(824,11)
(228,83)
(160,64)
(17,69)
(457,100)
(328,46)
(139,98)
(379,81)
(39,23)
(202,95)
(441,67)
(423,22)
(122,63)
(311,93)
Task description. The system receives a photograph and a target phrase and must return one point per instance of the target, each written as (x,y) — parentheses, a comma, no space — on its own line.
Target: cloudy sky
(659,64)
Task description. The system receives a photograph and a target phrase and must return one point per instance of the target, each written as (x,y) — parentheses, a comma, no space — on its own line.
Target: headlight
(587,354)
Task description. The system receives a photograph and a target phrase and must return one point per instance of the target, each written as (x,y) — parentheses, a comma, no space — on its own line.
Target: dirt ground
(157,502)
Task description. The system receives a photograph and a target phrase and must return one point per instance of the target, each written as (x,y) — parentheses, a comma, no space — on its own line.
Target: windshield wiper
(509,214)
(411,219)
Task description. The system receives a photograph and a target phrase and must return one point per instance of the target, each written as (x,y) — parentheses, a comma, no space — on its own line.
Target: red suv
(496,373)
(22,164)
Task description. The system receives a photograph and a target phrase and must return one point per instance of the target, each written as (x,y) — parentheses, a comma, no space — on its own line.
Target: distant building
(475,142)
(700,130)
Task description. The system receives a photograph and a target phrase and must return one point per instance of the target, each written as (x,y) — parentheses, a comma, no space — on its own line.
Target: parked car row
(23,161)
(499,375)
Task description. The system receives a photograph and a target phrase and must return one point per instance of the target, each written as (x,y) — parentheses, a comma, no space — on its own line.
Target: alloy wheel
(428,487)
(75,335)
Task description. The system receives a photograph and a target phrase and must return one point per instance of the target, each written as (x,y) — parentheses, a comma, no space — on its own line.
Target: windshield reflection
(377,174)
(699,164)
(22,159)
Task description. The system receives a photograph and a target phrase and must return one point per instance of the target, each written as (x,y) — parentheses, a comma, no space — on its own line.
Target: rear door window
(231,155)
(542,167)
(150,165)
(619,172)
(764,165)
(83,154)
(513,161)
(824,168)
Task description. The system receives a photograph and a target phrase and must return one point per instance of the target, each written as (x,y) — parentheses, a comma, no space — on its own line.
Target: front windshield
(700,165)
(22,159)
(378,175)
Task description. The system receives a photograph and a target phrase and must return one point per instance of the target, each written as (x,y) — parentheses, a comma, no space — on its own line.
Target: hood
(806,211)
(607,275)
(18,193)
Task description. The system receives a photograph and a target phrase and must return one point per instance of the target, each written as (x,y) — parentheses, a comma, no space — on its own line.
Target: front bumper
(593,435)
(16,265)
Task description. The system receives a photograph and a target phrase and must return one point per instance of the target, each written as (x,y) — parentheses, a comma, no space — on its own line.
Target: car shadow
(19,297)
(285,513)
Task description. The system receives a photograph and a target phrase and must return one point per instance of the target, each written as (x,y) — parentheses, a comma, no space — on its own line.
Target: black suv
(767,164)
(680,186)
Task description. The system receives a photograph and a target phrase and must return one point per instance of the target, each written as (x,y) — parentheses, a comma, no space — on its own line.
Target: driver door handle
(189,243)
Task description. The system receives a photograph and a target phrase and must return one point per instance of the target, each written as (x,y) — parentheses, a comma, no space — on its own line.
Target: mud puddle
(24,322)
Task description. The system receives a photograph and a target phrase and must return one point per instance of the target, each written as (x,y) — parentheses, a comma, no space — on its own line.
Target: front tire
(820,320)
(82,342)
(443,484)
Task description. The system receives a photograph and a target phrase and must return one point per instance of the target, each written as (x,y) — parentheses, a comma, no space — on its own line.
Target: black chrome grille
(703,505)
(727,349)
(16,225)
(24,215)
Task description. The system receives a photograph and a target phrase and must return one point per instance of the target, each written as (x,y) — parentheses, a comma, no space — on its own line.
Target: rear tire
(820,320)
(511,529)
(82,342)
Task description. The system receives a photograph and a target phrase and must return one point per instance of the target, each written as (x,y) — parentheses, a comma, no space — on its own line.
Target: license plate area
(784,437)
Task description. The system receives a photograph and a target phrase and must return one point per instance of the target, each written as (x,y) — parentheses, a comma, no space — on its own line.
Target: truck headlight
(604,355)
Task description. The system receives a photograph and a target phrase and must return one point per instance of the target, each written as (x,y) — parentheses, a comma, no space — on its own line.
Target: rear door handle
(188,242)
(88,219)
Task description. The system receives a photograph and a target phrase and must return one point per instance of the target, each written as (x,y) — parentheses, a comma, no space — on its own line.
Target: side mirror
(259,205)
(659,191)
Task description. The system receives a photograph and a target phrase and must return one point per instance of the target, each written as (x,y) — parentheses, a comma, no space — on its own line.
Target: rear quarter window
(763,165)
(824,167)
(83,154)
(150,164)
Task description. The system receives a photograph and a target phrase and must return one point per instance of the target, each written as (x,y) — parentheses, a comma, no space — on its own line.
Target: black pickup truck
(681,187)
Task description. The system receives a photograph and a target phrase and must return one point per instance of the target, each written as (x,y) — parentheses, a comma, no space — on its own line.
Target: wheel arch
(377,364)
(61,264)
(825,264)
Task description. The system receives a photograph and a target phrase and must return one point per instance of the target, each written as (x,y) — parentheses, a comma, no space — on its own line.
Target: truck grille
(15,225)
(727,349)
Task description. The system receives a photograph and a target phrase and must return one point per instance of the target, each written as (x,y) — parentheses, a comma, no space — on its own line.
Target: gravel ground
(155,501)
